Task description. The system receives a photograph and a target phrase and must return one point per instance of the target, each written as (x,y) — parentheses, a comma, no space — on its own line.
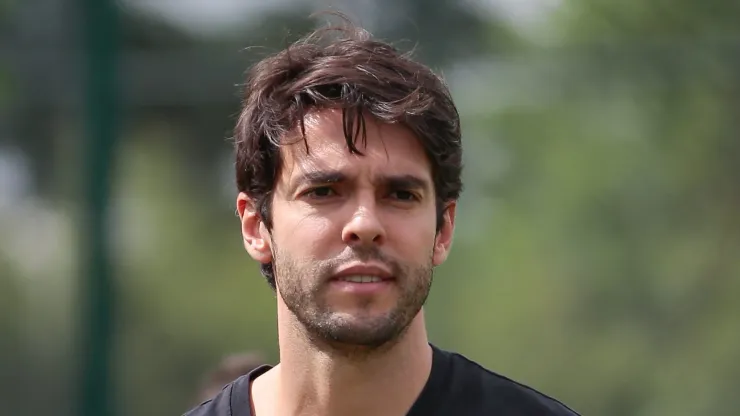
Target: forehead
(388,148)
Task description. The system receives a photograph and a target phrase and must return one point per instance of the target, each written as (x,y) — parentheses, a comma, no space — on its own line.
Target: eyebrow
(334,176)
(318,177)
(321,177)
(405,182)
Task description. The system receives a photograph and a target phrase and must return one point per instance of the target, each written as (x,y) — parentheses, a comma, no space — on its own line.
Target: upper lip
(363,269)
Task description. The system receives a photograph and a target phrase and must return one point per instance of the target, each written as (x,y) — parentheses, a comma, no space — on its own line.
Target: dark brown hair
(343,67)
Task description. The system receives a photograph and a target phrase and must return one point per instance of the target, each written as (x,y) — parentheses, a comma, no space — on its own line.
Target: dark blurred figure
(229,369)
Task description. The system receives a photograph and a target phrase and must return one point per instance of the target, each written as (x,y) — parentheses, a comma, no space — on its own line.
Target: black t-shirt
(456,387)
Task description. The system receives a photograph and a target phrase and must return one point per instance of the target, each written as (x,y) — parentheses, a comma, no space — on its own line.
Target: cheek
(413,238)
(304,235)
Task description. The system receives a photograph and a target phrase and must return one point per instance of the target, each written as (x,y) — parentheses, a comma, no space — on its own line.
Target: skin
(342,351)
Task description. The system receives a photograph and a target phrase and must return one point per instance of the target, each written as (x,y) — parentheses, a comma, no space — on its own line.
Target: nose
(365,228)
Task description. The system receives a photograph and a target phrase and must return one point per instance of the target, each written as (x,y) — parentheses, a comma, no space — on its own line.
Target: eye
(320,192)
(403,195)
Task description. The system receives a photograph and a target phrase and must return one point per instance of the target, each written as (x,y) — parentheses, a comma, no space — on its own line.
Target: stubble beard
(303,290)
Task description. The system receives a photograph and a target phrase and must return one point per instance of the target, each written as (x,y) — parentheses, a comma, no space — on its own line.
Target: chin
(364,316)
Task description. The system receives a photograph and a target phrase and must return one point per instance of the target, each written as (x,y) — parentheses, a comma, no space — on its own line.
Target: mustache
(360,254)
(367,253)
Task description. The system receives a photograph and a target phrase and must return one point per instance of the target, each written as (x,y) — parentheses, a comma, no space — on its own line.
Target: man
(348,165)
(229,369)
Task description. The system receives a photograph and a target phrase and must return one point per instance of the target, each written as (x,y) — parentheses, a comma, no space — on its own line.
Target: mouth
(361,279)
(362,285)
(363,273)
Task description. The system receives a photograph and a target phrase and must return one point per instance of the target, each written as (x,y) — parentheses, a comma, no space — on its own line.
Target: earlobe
(255,236)
(443,240)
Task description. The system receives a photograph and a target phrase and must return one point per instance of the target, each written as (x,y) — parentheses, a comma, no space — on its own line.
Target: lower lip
(361,288)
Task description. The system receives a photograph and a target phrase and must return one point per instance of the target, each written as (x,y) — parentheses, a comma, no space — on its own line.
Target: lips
(363,273)
(360,279)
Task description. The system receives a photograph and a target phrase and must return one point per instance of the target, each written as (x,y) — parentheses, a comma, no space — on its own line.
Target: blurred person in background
(229,369)
(348,167)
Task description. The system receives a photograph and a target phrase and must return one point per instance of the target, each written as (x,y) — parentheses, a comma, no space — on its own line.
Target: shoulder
(220,405)
(494,391)
(233,400)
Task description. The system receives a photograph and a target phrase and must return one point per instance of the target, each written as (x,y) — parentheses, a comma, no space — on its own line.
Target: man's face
(354,240)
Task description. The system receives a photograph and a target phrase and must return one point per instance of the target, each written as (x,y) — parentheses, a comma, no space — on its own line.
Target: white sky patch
(214,16)
(208,16)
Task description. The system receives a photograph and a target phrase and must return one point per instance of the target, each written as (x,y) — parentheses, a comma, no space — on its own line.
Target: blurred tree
(467,32)
(617,231)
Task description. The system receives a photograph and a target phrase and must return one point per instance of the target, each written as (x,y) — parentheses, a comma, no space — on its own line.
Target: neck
(314,381)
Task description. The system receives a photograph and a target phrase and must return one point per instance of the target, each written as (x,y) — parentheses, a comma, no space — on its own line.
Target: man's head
(348,166)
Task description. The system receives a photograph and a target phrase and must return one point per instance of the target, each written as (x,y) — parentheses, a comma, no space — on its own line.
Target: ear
(255,235)
(443,240)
